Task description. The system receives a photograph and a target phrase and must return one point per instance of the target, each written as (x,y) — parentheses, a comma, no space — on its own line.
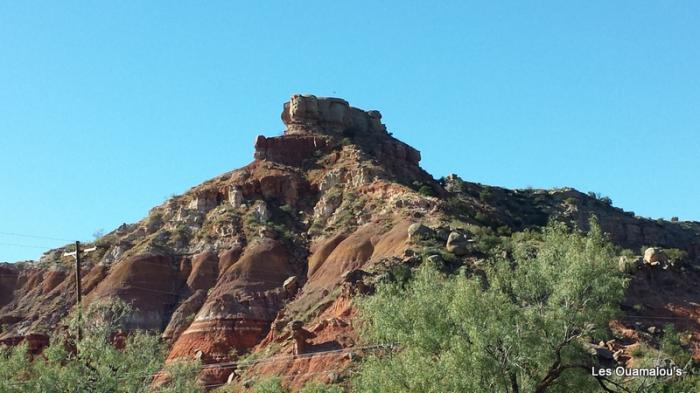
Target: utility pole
(78,286)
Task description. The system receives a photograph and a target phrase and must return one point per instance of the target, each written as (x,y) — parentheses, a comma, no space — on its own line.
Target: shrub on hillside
(522,333)
(99,366)
(524,329)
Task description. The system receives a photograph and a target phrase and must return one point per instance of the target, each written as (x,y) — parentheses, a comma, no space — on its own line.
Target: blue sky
(107,108)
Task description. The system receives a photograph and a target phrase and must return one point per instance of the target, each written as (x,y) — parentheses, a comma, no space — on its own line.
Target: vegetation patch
(555,294)
(96,363)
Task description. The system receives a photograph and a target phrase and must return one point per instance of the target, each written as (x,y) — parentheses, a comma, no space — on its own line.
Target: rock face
(204,272)
(184,315)
(242,304)
(307,114)
(9,276)
(315,126)
(150,283)
(235,197)
(290,150)
(323,213)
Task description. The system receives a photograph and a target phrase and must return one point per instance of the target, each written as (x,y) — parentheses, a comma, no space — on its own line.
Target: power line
(652,317)
(287,376)
(262,360)
(34,236)
(272,359)
(28,246)
(227,365)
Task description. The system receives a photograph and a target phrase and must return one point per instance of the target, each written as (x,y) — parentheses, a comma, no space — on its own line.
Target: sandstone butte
(331,203)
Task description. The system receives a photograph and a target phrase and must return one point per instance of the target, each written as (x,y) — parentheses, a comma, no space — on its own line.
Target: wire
(251,363)
(268,359)
(156,291)
(34,236)
(28,246)
(312,354)
(213,385)
(649,317)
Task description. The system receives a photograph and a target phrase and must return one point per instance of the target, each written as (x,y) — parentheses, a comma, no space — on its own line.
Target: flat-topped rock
(308,114)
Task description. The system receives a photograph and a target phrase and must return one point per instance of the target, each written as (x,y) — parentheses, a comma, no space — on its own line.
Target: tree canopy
(521,326)
(95,363)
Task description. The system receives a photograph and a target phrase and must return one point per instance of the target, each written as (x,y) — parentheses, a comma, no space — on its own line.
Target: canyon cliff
(320,215)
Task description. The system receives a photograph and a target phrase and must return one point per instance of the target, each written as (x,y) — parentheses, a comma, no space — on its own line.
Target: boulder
(419,231)
(442,234)
(655,256)
(291,285)
(457,243)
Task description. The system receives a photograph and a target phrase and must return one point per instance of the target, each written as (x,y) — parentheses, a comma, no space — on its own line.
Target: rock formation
(307,114)
(322,213)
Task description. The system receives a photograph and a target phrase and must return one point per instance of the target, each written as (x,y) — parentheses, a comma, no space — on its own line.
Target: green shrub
(485,240)
(316,387)
(456,335)
(640,351)
(485,194)
(606,200)
(316,228)
(627,253)
(181,234)
(456,205)
(503,231)
(269,385)
(426,190)
(481,218)
(100,366)
(675,255)
(571,201)
(673,344)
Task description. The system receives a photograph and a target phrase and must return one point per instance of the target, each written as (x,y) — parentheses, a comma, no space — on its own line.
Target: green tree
(269,385)
(522,329)
(98,365)
(317,387)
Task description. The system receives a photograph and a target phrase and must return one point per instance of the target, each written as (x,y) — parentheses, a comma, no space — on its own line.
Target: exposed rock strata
(334,201)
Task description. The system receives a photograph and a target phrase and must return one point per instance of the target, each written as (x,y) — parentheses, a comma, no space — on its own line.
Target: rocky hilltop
(322,213)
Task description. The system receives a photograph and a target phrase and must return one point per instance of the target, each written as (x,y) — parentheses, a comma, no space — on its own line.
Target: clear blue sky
(107,108)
